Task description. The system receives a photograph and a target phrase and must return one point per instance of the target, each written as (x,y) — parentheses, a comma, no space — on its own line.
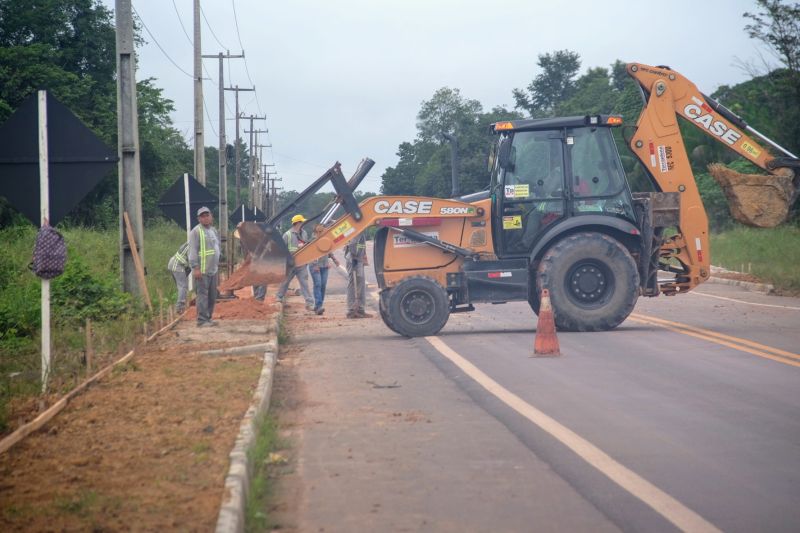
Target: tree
(778,26)
(554,85)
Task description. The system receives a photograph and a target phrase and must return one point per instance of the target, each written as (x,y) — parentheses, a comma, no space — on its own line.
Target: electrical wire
(211,29)
(180,21)
(246,68)
(157,43)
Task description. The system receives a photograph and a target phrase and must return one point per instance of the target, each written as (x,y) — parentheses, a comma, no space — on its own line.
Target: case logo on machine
(408,207)
(700,113)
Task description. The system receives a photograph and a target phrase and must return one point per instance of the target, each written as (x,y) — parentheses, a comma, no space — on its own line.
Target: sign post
(188,205)
(44,206)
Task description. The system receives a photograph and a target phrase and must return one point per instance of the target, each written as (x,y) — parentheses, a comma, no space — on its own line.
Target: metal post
(130,189)
(44,206)
(187,203)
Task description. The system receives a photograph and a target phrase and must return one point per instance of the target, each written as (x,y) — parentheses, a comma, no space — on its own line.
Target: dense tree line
(770,100)
(69,48)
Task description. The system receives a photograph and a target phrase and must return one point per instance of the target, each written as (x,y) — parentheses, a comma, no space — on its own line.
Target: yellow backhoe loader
(558,214)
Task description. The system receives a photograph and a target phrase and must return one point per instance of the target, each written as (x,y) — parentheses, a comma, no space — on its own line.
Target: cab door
(531,190)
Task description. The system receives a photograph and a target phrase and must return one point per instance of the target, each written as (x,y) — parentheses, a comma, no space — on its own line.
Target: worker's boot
(362,314)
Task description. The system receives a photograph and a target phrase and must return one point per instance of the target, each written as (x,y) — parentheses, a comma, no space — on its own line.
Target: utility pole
(260,187)
(199,143)
(273,207)
(223,159)
(236,89)
(130,186)
(251,168)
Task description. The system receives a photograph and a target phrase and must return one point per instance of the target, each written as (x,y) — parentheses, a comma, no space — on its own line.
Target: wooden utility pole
(199,143)
(130,188)
(236,89)
(251,168)
(223,157)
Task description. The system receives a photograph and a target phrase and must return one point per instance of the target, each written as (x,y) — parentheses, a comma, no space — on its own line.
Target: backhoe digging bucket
(267,258)
(757,200)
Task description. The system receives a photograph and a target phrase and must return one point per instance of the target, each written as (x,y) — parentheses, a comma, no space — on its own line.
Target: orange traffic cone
(546,342)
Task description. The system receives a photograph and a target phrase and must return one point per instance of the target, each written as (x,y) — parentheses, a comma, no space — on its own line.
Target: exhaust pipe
(453,163)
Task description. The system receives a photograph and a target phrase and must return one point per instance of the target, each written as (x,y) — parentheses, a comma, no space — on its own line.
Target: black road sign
(173,202)
(78,160)
(247,214)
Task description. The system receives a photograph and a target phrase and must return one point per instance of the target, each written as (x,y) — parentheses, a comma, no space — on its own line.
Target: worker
(295,238)
(178,265)
(319,274)
(355,254)
(204,260)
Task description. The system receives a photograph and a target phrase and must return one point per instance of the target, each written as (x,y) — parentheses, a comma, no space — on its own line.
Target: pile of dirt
(240,308)
(260,272)
(755,200)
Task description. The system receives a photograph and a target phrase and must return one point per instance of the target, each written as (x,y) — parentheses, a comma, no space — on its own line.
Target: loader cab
(546,171)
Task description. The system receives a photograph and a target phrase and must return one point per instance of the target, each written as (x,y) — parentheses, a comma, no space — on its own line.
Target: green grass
(90,288)
(772,255)
(267,441)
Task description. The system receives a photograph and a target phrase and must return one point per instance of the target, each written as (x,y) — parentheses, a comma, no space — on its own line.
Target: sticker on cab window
(512,222)
(522,190)
(508,191)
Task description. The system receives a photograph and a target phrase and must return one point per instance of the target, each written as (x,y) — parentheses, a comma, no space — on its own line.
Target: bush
(79,294)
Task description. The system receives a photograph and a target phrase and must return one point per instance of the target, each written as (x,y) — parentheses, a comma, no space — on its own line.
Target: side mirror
(506,155)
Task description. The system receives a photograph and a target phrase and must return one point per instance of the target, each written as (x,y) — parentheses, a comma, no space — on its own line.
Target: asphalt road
(685,417)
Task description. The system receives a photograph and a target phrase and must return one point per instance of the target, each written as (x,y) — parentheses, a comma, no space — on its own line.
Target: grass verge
(771,255)
(265,459)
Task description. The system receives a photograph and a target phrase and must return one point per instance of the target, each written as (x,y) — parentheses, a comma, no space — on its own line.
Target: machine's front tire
(383,304)
(593,282)
(417,307)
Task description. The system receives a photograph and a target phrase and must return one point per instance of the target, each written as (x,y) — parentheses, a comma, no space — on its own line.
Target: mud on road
(146,448)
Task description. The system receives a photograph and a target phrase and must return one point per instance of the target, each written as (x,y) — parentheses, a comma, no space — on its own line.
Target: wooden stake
(89,346)
(160,309)
(136,261)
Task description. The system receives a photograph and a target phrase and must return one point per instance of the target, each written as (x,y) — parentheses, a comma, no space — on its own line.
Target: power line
(246,69)
(210,28)
(177,14)
(157,44)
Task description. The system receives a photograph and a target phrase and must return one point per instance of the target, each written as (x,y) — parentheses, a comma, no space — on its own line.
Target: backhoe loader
(558,214)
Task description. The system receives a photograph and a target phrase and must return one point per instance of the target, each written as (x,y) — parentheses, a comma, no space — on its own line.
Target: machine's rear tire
(383,303)
(417,307)
(593,282)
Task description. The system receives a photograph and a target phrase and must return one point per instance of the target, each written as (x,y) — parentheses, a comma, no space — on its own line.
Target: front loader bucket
(267,258)
(756,200)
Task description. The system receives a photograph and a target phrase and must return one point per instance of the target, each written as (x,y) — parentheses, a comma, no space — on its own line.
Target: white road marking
(671,509)
(745,301)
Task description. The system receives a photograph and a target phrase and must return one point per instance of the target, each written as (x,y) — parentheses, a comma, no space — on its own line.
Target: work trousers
(320,279)
(356,286)
(301,273)
(182,282)
(206,297)
(259,292)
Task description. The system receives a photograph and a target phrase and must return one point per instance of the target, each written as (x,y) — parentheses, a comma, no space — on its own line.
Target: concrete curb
(765,288)
(231,516)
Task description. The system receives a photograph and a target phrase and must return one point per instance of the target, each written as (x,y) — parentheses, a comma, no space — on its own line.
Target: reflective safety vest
(204,251)
(293,239)
(179,261)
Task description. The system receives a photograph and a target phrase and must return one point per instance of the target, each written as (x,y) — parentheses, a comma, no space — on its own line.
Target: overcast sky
(344,79)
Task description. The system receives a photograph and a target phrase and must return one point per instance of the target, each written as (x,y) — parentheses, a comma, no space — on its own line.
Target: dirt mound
(241,308)
(261,272)
(755,200)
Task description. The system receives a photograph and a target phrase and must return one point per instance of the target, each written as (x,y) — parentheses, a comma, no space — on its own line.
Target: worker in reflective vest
(355,255)
(178,266)
(204,260)
(295,238)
